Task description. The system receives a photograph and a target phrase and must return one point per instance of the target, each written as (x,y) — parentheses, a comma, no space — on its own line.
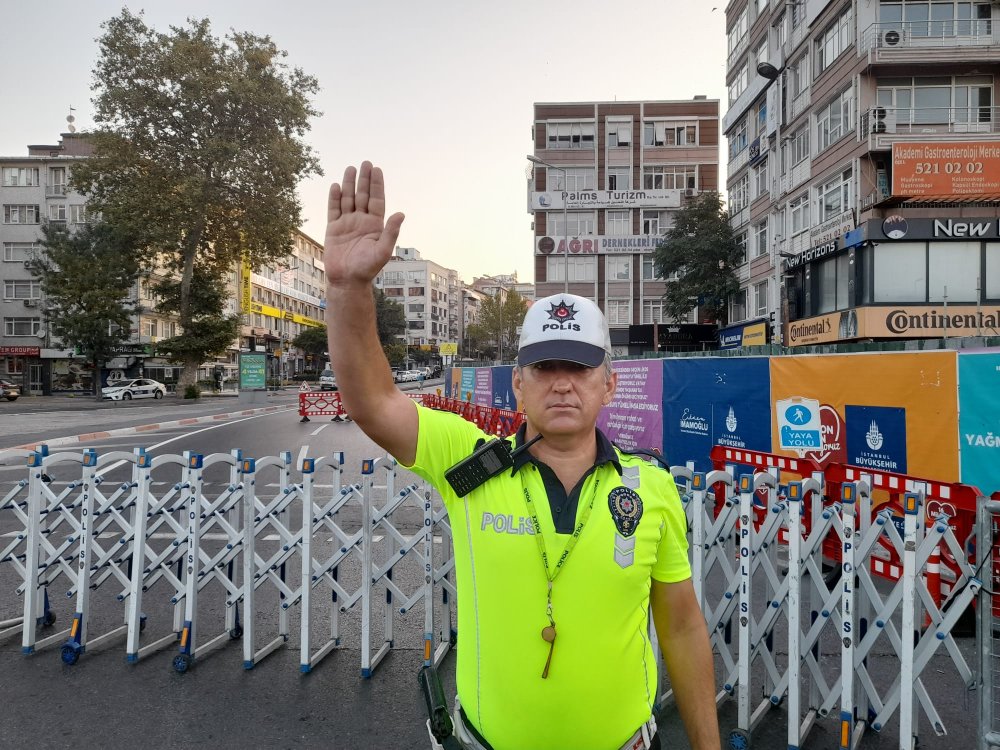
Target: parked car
(327,380)
(9,390)
(126,390)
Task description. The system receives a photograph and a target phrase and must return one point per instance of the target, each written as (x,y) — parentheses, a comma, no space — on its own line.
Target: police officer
(559,559)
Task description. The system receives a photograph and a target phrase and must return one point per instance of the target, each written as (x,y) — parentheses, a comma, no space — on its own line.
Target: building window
(670,177)
(741,244)
(618,222)
(619,267)
(575,178)
(738,306)
(20,214)
(738,140)
(415,291)
(798,73)
(19,251)
(761,7)
(575,135)
(760,55)
(22,326)
(20,176)
(170,328)
(739,84)
(835,120)
(953,266)
(619,178)
(78,214)
(149,327)
(833,41)
(739,194)
(798,14)
(760,183)
(760,239)
(57,212)
(669,133)
(656,221)
(900,272)
(760,299)
(580,269)
(797,148)
(649,269)
(738,30)
(944,20)
(835,196)
(580,223)
(799,209)
(619,312)
(619,134)
(762,117)
(938,100)
(57,181)
(653,312)
(14,289)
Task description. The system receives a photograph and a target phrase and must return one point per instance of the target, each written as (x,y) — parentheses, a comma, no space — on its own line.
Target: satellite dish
(71,119)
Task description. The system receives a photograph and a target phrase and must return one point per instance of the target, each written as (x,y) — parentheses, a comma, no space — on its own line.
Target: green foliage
(702,249)
(87,278)
(198,149)
(208,333)
(499,321)
(477,343)
(390,318)
(395,353)
(192,391)
(312,340)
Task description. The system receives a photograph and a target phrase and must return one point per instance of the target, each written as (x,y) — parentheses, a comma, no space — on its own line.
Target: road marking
(303,452)
(319,429)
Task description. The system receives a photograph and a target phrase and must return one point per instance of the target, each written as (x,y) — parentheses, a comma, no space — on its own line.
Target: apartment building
(607,179)
(431,296)
(864,168)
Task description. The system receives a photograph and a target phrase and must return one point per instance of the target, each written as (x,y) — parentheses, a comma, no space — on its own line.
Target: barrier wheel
(182,662)
(739,740)
(71,653)
(236,633)
(49,619)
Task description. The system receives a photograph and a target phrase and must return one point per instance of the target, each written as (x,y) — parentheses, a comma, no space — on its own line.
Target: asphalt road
(104,702)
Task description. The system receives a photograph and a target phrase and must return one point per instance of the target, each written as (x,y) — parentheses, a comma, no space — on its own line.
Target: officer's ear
(610,387)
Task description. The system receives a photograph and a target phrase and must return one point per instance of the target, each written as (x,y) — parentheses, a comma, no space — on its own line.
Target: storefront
(899,278)
(748,333)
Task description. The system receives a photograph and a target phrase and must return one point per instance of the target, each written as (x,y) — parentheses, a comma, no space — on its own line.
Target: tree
(390,318)
(198,149)
(499,317)
(395,353)
(478,344)
(87,278)
(313,341)
(703,251)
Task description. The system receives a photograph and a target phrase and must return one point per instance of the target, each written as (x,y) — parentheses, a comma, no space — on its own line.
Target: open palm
(359,239)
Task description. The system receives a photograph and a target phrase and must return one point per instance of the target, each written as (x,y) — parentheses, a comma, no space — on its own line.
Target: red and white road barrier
(321,404)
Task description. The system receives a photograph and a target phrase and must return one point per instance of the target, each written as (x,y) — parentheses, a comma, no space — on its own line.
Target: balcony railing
(953,33)
(930,120)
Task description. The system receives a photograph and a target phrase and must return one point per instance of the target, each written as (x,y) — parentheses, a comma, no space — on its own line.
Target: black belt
(654,741)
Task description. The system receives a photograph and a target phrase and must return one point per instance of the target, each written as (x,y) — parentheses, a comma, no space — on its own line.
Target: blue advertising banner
(979,420)
(467,385)
(715,401)
(876,437)
(503,391)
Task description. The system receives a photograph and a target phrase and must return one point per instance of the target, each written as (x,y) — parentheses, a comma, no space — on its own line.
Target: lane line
(319,429)
(303,452)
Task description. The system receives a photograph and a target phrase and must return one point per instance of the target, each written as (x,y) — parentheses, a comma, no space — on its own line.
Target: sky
(438,93)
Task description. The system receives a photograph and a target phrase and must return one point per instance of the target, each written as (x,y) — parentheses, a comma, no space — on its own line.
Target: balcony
(55,191)
(884,126)
(948,41)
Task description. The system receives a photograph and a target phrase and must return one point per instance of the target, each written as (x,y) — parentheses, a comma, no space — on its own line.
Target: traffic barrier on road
(321,404)
(772,593)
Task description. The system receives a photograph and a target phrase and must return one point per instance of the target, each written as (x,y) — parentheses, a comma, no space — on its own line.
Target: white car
(126,390)
(327,380)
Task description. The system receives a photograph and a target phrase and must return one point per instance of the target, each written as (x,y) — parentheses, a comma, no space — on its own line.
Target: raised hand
(359,239)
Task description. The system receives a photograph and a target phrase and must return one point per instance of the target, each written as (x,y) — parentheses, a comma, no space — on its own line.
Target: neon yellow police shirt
(601,684)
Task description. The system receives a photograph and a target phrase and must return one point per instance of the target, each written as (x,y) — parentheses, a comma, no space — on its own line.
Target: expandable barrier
(240,531)
(321,404)
(248,534)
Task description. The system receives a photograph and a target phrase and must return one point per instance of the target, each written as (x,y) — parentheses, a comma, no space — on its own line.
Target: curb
(69,440)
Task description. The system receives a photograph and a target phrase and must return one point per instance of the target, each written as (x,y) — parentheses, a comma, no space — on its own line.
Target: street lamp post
(772,74)
(536,160)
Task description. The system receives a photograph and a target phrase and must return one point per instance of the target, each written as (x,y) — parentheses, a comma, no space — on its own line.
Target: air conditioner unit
(30,303)
(690,193)
(27,263)
(891,38)
(881,120)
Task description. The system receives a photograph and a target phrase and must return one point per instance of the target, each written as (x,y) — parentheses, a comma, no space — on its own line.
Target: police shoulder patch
(626,509)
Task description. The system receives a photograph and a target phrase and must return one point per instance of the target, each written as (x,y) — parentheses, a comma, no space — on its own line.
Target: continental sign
(274,312)
(896,322)
(938,170)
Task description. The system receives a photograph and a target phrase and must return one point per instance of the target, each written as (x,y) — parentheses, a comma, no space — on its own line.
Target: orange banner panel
(939,170)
